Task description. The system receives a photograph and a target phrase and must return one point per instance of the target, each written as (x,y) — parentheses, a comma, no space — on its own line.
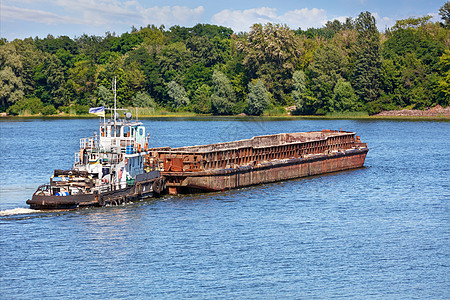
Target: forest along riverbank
(434,112)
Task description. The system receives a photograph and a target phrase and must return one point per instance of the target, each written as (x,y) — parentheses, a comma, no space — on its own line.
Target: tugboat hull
(150,185)
(62,202)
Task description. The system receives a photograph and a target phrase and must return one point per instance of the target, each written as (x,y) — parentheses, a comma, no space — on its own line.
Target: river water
(382,231)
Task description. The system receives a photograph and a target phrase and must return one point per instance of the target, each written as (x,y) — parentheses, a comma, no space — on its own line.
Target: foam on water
(17,211)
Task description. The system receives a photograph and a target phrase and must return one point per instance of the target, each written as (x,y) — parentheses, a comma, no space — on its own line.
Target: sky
(38,18)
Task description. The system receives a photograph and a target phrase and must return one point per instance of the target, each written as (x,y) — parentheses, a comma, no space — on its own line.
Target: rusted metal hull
(266,172)
(261,159)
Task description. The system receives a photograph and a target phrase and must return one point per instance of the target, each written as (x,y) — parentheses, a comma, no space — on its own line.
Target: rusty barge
(116,166)
(261,159)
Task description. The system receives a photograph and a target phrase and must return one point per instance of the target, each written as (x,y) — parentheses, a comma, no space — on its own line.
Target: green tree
(196,76)
(95,47)
(83,80)
(11,85)
(344,98)
(298,93)
(444,83)
(173,60)
(153,38)
(444,12)
(30,57)
(329,66)
(257,98)
(126,42)
(201,99)
(272,52)
(105,96)
(237,72)
(302,96)
(411,23)
(178,95)
(182,34)
(144,58)
(51,44)
(49,78)
(367,71)
(11,88)
(223,98)
(202,50)
(411,63)
(142,99)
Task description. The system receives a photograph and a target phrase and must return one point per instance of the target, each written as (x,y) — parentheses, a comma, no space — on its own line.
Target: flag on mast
(98,111)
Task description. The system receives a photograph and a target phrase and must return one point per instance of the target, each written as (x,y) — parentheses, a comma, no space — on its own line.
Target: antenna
(115,99)
(115,107)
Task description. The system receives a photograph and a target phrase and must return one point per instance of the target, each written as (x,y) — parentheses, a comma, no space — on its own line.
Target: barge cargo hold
(262,159)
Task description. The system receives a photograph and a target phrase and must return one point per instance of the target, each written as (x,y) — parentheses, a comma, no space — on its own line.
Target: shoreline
(434,113)
(249,118)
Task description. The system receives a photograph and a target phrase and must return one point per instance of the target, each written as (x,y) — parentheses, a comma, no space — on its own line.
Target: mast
(115,106)
(115,99)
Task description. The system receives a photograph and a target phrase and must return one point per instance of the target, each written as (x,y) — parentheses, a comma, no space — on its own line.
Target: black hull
(62,202)
(149,186)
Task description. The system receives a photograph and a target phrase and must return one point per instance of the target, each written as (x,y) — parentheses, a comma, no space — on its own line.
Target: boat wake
(17,211)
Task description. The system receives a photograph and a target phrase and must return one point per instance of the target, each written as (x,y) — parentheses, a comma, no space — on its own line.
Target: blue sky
(31,18)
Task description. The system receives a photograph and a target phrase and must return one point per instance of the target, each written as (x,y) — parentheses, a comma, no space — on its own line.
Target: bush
(382,103)
(81,109)
(75,109)
(64,109)
(274,111)
(220,105)
(30,106)
(239,107)
(49,110)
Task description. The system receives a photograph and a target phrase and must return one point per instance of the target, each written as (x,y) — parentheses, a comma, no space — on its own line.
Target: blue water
(382,231)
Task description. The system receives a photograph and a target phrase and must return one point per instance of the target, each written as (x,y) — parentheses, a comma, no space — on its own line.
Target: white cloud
(304,18)
(383,22)
(24,14)
(102,13)
(241,20)
(175,15)
(435,17)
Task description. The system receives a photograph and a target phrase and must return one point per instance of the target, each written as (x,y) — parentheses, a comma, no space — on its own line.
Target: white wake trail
(17,211)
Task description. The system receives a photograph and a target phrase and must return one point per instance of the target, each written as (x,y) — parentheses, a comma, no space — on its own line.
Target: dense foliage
(341,67)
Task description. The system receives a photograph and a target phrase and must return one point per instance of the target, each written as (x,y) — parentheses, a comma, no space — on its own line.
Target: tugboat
(111,168)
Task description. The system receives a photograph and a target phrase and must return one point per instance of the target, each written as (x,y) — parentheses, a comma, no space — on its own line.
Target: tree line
(342,67)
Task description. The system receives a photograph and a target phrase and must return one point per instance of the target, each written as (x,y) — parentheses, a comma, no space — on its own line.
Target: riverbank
(437,112)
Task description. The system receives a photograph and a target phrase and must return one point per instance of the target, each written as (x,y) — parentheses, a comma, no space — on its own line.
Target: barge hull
(265,172)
